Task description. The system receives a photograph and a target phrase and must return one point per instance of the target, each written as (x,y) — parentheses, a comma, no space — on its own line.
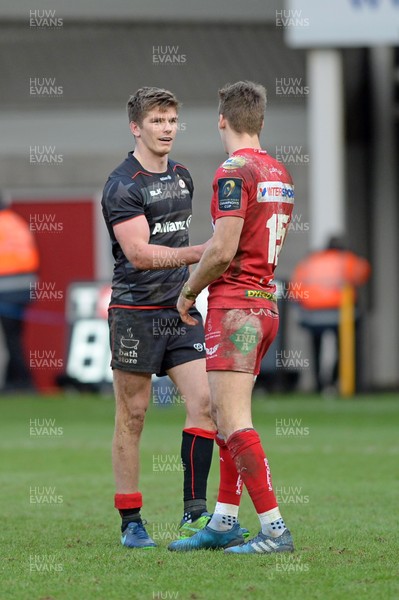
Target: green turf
(335,468)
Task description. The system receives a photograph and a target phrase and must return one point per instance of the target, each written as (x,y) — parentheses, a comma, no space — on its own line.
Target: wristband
(187,292)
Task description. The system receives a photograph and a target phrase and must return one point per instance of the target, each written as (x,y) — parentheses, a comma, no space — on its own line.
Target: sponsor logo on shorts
(263,311)
(127,353)
(211,351)
(275,191)
(199,347)
(260,294)
(245,339)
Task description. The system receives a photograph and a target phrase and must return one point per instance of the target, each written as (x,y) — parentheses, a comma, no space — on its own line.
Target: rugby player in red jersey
(252,203)
(147,209)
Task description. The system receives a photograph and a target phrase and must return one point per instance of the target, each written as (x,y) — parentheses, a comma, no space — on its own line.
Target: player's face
(157,131)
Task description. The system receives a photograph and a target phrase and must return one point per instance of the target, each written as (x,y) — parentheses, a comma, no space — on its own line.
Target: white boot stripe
(265,546)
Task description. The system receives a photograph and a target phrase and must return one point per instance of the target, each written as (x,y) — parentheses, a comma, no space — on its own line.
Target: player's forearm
(151,257)
(213,263)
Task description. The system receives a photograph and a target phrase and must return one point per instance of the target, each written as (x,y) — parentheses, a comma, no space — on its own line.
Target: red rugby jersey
(254,186)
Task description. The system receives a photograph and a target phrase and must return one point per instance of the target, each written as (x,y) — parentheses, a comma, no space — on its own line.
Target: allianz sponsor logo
(169,226)
(275,191)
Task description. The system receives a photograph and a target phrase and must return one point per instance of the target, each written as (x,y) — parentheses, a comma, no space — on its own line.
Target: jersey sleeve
(230,194)
(122,201)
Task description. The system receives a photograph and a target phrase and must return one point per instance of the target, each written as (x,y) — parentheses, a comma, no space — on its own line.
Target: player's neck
(150,161)
(237,141)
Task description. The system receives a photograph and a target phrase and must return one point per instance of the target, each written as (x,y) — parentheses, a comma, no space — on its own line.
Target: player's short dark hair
(148,98)
(243,104)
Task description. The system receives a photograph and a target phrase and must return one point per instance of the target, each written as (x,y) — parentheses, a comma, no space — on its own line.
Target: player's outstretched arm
(219,253)
(134,235)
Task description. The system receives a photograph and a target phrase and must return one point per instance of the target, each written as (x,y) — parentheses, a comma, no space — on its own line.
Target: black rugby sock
(129,515)
(196,455)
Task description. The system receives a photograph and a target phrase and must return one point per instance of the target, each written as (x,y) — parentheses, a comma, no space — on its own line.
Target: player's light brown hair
(148,98)
(243,104)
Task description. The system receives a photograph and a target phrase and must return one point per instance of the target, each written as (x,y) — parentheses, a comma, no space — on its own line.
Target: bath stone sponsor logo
(127,353)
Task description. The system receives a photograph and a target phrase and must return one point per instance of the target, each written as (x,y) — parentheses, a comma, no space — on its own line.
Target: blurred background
(331,71)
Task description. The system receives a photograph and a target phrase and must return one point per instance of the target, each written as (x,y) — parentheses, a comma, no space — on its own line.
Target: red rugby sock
(230,486)
(251,463)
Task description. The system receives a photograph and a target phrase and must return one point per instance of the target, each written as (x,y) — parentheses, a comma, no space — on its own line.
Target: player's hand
(183,306)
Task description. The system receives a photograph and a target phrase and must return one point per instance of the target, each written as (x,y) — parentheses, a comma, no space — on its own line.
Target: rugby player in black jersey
(147,209)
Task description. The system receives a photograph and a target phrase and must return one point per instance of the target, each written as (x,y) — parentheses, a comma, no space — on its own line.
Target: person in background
(19,263)
(317,282)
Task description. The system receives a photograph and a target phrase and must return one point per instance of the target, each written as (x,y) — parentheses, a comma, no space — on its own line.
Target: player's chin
(164,150)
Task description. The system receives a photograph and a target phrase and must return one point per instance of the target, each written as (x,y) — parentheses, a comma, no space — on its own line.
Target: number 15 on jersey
(277,226)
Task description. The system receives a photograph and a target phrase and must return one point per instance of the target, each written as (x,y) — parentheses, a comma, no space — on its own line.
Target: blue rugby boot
(136,536)
(208,538)
(187,529)
(264,544)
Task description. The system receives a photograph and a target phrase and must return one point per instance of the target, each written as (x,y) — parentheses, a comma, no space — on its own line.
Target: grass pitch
(335,472)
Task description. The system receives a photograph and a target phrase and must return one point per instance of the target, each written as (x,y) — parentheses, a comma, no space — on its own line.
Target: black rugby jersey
(165,200)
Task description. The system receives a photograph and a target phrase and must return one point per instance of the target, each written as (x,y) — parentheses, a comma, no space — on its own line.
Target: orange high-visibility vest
(18,251)
(318,280)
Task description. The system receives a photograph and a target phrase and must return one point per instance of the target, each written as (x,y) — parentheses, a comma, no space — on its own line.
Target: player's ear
(134,128)
(221,122)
